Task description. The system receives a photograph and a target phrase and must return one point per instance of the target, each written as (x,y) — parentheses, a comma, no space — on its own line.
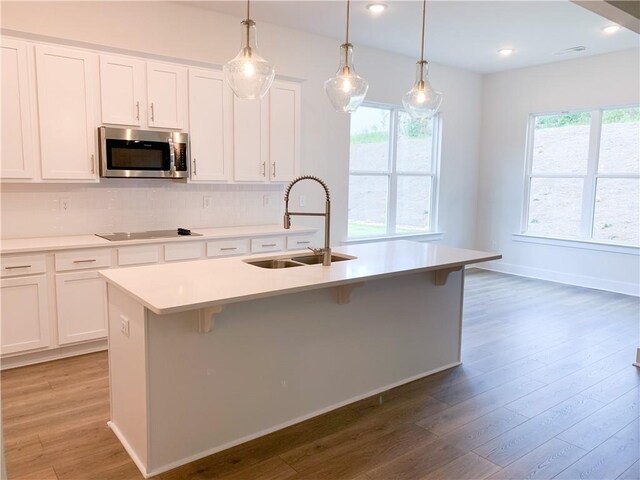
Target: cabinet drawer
(23,265)
(267,244)
(81,259)
(221,248)
(138,255)
(182,251)
(298,242)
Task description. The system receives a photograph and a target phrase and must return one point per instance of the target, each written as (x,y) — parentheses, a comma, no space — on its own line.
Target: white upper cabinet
(250,139)
(266,135)
(166,92)
(209,120)
(284,139)
(17,140)
(67,85)
(122,90)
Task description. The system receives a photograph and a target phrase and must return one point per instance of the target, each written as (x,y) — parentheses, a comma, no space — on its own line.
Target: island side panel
(271,362)
(128,374)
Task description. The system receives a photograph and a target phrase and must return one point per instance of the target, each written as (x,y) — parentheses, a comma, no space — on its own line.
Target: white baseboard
(139,463)
(29,358)
(561,277)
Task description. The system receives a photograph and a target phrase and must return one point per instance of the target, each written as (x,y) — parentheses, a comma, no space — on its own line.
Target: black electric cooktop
(122,236)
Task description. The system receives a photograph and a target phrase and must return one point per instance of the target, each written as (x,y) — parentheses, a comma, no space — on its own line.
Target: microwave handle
(172,156)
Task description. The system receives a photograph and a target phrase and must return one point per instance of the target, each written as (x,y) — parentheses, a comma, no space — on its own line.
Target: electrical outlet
(65,204)
(124,326)
(206,202)
(283,383)
(494,245)
(303,200)
(266,200)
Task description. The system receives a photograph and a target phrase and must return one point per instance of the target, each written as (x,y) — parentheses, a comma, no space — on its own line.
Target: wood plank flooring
(547,390)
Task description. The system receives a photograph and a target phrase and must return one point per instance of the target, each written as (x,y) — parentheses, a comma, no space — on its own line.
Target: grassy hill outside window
(583,175)
(393,172)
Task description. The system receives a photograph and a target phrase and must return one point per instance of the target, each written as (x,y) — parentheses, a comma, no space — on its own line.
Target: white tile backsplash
(133,205)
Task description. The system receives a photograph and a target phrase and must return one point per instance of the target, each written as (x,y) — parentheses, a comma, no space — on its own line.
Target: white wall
(509,97)
(194,34)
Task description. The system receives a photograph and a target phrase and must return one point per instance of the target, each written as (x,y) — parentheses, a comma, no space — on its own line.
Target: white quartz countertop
(177,287)
(39,244)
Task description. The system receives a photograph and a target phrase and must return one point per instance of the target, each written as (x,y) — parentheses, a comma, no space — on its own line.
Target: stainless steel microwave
(125,152)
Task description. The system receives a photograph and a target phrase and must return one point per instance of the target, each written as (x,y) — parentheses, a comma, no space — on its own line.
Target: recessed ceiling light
(611,29)
(376,7)
(505,52)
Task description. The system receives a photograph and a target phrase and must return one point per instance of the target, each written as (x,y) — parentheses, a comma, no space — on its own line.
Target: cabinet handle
(274,169)
(138,110)
(269,244)
(303,243)
(17,266)
(264,169)
(152,114)
(93,164)
(195,166)
(228,248)
(85,261)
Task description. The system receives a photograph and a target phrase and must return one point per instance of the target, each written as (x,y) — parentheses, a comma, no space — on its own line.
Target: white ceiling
(464,34)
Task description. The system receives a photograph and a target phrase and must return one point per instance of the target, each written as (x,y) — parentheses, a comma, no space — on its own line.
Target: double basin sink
(298,261)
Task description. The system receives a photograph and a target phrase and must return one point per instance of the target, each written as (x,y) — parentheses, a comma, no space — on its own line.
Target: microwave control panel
(181,156)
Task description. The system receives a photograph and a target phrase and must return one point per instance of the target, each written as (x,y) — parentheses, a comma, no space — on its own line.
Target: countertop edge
(298,289)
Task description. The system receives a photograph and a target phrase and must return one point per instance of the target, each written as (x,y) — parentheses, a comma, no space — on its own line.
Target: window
(393,166)
(583,175)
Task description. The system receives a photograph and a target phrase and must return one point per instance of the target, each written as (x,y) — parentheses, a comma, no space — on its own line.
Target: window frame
(392,175)
(589,179)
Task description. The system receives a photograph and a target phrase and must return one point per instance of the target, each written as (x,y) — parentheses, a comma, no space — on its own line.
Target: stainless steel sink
(316,259)
(275,263)
(300,261)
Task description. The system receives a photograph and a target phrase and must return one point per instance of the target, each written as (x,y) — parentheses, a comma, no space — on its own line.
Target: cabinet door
(121,90)
(17,146)
(25,318)
(67,89)
(166,95)
(250,139)
(284,125)
(82,304)
(209,101)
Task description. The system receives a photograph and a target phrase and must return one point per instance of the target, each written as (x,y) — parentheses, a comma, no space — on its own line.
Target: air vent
(579,48)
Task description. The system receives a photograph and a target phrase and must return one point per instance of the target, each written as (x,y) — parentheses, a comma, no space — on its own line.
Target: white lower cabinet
(25,317)
(47,291)
(82,306)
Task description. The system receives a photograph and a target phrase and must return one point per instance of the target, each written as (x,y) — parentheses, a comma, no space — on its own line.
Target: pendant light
(248,74)
(346,90)
(422,101)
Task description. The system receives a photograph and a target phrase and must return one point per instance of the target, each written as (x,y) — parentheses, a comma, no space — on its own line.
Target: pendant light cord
(347,36)
(248,27)
(424,8)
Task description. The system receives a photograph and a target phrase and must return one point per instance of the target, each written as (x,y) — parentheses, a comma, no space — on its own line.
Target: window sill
(582,244)
(427,237)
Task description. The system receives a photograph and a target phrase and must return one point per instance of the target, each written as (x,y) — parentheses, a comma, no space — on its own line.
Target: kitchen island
(208,354)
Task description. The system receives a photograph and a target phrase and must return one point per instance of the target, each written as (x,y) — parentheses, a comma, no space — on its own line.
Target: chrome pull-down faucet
(326,250)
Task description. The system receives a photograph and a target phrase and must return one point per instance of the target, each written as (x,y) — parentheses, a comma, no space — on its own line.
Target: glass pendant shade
(422,101)
(249,75)
(346,90)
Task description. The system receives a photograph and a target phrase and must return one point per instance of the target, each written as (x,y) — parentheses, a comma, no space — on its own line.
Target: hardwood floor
(547,390)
